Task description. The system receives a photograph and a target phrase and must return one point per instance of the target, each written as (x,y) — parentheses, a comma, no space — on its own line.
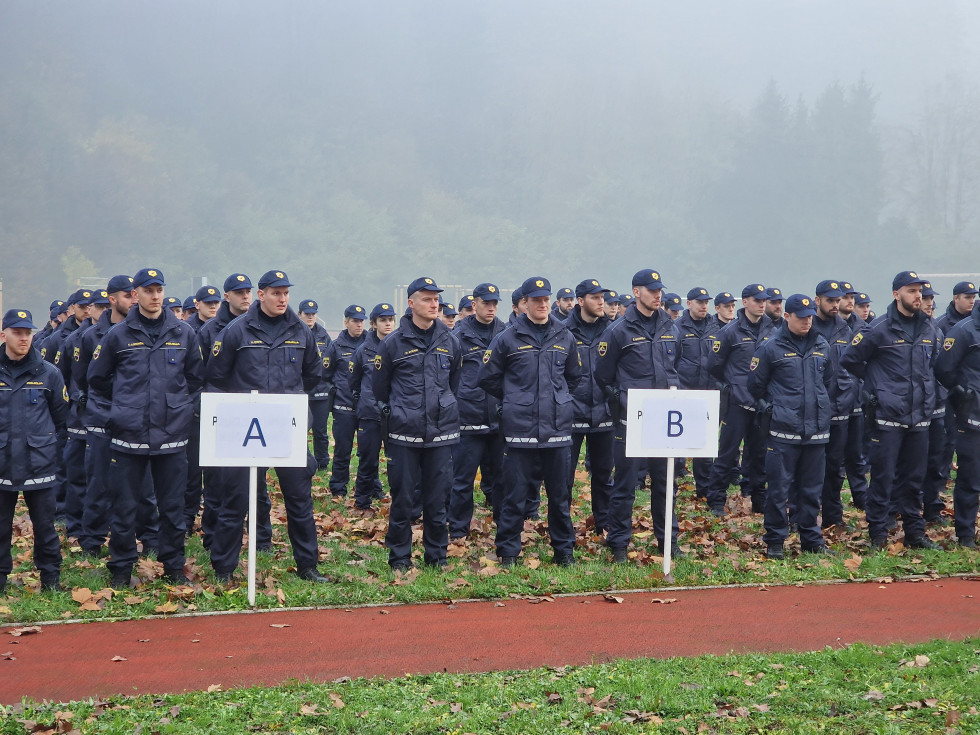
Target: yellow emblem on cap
(702,291)
(486,356)
(833,284)
(429,281)
(22,314)
(971,285)
(539,284)
(716,345)
(104,294)
(613,294)
(241,279)
(948,343)
(377,362)
(152,273)
(98,351)
(806,302)
(760,287)
(603,348)
(857,338)
(211,291)
(863,296)
(654,275)
(493,289)
(754,364)
(85,294)
(846,284)
(216,348)
(912,273)
(358,308)
(279,275)
(385,306)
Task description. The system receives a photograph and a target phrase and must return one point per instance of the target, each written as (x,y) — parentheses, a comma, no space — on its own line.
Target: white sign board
(672,423)
(253,430)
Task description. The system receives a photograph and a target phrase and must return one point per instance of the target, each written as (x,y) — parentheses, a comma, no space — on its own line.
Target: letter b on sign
(671,423)
(674,426)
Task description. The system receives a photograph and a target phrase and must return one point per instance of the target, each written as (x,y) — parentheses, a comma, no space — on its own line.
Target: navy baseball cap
(171,302)
(698,294)
(724,298)
(63,309)
(754,291)
(423,284)
(236,282)
(74,297)
(485,291)
(467,301)
(800,305)
(449,310)
(148,277)
(274,279)
(862,298)
(101,298)
(53,314)
(55,304)
(610,297)
(964,287)
(516,296)
(86,297)
(830,289)
(672,302)
(906,278)
(189,304)
(536,286)
(848,289)
(308,307)
(589,285)
(382,310)
(120,283)
(928,290)
(625,298)
(355,312)
(207,294)
(648,278)
(773,294)
(18,319)
(564,293)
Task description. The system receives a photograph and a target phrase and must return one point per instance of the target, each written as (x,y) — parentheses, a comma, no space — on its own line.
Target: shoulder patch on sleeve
(64,393)
(98,351)
(948,343)
(377,362)
(754,364)
(486,356)
(603,349)
(216,348)
(716,345)
(857,338)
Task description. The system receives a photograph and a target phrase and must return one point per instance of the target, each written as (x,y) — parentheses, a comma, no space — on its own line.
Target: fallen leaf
(336,701)
(854,562)
(119,658)
(280,625)
(613,598)
(874,696)
(664,601)
(28,630)
(533,563)
(214,688)
(309,709)
(167,607)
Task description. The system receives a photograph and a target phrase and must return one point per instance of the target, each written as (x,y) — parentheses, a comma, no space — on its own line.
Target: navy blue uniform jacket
(732,351)
(958,364)
(477,410)
(591,412)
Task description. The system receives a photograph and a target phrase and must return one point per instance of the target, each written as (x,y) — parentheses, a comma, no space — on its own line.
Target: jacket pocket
(180,410)
(127,416)
(42,451)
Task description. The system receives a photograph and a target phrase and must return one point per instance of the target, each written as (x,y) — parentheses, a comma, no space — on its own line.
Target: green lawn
(929,688)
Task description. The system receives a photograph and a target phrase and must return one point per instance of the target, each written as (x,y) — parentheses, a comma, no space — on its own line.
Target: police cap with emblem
(928,290)
(648,278)
(773,294)
(698,294)
(536,286)
(423,284)
(354,312)
(382,310)
(148,277)
(189,304)
(449,310)
(672,302)
(724,298)
(236,282)
(487,292)
(516,295)
(906,278)
(120,283)
(207,294)
(800,305)
(754,291)
(86,297)
(610,297)
(589,286)
(102,298)
(18,319)
(625,298)
(964,287)
(274,279)
(862,298)
(848,289)
(467,302)
(564,293)
(308,306)
(829,289)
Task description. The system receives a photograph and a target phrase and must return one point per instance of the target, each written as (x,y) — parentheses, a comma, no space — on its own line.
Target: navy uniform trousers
(472,452)
(125,478)
(344,429)
(739,424)
(74,463)
(937,471)
(367,483)
(599,450)
(831,506)
(795,475)
(47,544)
(856,458)
(898,465)
(619,529)
(429,469)
(523,471)
(232,488)
(966,491)
(320,410)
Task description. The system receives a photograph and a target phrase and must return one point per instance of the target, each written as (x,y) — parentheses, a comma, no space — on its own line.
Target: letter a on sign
(254,432)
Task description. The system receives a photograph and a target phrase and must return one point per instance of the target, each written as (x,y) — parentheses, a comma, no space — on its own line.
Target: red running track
(74,661)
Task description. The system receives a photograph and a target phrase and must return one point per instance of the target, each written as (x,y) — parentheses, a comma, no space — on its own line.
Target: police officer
(532,367)
(321,397)
(731,353)
(33,407)
(847,304)
(789,377)
(843,395)
(564,301)
(236,301)
(78,307)
(862,307)
(592,424)
(894,356)
(638,351)
(173,303)
(958,369)
(95,418)
(367,483)
(625,299)
(518,305)
(339,371)
(416,374)
(611,305)
(937,467)
(148,367)
(964,297)
(774,306)
(694,327)
(448,315)
(207,301)
(53,321)
(465,307)
(672,303)
(724,311)
(270,350)
(480,444)
(188,309)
